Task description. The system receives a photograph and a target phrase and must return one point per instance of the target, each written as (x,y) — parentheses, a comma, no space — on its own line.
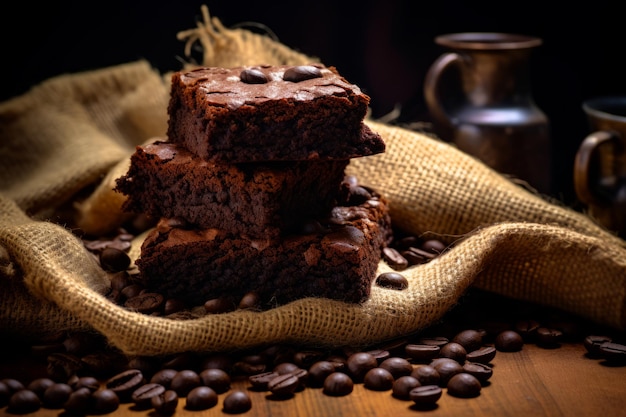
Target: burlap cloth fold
(63,143)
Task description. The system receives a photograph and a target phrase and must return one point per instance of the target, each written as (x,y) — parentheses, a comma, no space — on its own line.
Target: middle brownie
(256,200)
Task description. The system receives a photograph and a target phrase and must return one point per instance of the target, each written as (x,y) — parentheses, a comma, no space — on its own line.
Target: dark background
(384,46)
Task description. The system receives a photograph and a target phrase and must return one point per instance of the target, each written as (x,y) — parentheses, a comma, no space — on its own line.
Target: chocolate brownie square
(335,257)
(255,200)
(270,113)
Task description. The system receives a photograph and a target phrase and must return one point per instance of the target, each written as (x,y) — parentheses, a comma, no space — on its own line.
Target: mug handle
(433,94)
(588,148)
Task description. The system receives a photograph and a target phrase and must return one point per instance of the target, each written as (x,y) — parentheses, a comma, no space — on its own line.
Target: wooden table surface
(536,381)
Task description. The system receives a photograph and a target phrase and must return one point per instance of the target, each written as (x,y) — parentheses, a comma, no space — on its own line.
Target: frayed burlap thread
(503,237)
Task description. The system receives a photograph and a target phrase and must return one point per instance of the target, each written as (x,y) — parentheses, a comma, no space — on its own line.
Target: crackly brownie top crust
(234,87)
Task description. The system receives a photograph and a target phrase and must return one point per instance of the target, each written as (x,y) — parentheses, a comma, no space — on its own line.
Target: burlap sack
(63,143)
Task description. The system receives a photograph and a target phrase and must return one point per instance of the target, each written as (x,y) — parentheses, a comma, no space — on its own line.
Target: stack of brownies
(251,192)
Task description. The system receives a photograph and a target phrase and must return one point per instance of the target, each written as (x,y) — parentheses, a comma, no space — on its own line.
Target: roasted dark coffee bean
(145,303)
(403,385)
(85,382)
(422,352)
(434,246)
(103,363)
(481,371)
(392,280)
(173,305)
(23,401)
(527,329)
(185,360)
(237,402)
(394,259)
(378,379)
(250,301)
(464,385)
(142,396)
(319,371)
(218,305)
(337,384)
(38,386)
(104,401)
(509,341)
(425,395)
(283,385)
(147,365)
(470,339)
(56,395)
(285,368)
(548,337)
(306,358)
(184,381)
(359,363)
(80,344)
(303,376)
(446,368)
(434,341)
(397,366)
(454,351)
(79,402)
(301,73)
(119,281)
(414,257)
(219,361)
(484,355)
(114,260)
(253,76)
(201,398)
(426,375)
(613,352)
(379,354)
(260,381)
(592,344)
(61,366)
(164,377)
(125,383)
(217,379)
(248,368)
(166,403)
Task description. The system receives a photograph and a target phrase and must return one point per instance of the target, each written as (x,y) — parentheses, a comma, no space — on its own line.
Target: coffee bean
(104,401)
(114,260)
(378,379)
(237,402)
(359,363)
(464,385)
(23,401)
(173,305)
(56,395)
(426,375)
(481,371)
(446,368)
(613,352)
(592,344)
(62,366)
(261,381)
(165,403)
(217,379)
(527,329)
(125,383)
(147,365)
(422,352)
(403,385)
(484,355)
(79,402)
(85,382)
(392,280)
(285,368)
(164,377)
(184,381)
(425,395)
(337,384)
(434,341)
(434,246)
(38,386)
(470,339)
(548,337)
(306,358)
(142,396)
(283,385)
(397,366)
(145,303)
(509,341)
(250,301)
(319,371)
(394,259)
(218,305)
(218,361)
(379,354)
(201,398)
(181,361)
(453,351)
(253,76)
(301,73)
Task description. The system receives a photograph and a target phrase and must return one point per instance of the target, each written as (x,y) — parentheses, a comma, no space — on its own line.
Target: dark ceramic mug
(600,164)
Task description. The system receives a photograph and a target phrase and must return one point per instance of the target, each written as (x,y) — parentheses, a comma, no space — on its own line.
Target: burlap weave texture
(63,143)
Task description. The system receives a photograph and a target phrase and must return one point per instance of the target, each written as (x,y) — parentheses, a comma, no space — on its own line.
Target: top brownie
(269,113)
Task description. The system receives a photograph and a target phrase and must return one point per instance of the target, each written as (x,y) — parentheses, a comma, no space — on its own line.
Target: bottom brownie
(336,257)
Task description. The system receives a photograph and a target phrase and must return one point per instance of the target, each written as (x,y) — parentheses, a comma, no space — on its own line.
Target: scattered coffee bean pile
(85,376)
